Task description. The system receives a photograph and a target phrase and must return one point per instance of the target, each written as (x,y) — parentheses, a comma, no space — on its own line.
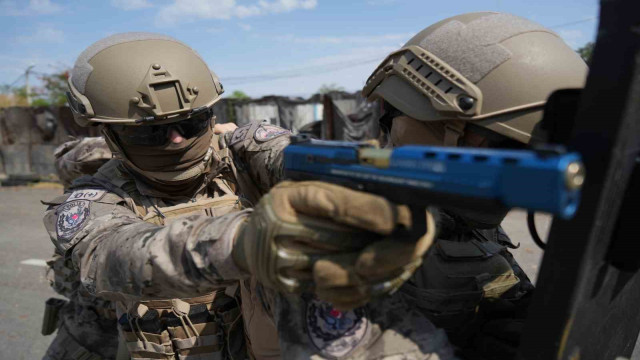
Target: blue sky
(262,47)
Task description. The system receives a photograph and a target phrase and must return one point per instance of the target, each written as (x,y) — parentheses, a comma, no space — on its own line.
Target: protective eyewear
(157,135)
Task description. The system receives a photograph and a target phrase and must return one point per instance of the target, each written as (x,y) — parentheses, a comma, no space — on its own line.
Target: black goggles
(157,135)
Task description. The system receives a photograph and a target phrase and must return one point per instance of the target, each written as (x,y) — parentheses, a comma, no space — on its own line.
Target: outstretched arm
(121,257)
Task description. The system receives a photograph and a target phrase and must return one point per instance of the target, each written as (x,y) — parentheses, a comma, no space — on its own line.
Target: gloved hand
(338,242)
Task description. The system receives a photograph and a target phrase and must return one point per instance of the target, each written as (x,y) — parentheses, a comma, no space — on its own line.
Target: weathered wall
(28,136)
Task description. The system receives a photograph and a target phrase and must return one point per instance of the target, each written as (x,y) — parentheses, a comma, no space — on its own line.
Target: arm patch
(72,217)
(239,135)
(268,132)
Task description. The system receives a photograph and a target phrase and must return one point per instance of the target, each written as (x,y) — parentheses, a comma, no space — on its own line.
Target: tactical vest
(459,272)
(204,327)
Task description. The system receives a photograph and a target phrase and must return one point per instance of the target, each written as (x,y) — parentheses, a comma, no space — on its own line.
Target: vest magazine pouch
(51,310)
(146,337)
(195,332)
(446,308)
(456,277)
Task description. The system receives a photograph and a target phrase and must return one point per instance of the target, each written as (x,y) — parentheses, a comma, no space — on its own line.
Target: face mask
(177,170)
(409,131)
(170,157)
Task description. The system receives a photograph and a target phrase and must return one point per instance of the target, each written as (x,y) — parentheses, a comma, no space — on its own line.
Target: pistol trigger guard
(418,222)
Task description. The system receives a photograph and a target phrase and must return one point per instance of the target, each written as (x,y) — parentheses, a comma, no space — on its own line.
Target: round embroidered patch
(335,333)
(239,134)
(72,216)
(268,132)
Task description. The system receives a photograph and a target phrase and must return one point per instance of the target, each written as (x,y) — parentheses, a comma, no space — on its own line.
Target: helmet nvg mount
(494,70)
(133,78)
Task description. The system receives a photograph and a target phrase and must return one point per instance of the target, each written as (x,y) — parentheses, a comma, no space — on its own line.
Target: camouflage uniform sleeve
(257,148)
(80,157)
(121,257)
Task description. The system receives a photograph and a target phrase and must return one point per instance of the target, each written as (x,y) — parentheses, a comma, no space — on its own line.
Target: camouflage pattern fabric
(99,224)
(87,325)
(80,157)
(66,347)
(74,211)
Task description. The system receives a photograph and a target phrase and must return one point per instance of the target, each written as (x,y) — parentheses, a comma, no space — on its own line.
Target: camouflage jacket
(98,224)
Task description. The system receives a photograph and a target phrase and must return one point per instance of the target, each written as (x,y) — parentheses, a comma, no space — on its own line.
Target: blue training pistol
(453,178)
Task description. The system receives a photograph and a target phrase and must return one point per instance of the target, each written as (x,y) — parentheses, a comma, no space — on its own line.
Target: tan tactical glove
(338,242)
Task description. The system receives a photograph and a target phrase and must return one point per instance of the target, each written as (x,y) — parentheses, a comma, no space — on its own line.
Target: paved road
(24,247)
(23,288)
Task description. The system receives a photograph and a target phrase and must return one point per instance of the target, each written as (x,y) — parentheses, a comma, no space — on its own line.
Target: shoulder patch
(239,134)
(72,217)
(268,132)
(335,333)
(87,194)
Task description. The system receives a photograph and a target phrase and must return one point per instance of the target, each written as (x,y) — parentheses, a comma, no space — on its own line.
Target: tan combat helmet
(494,70)
(130,80)
(134,78)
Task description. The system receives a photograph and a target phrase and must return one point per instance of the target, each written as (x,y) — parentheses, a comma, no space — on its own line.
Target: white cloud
(574,38)
(226,9)
(357,40)
(245,27)
(279,6)
(44,33)
(131,4)
(35,7)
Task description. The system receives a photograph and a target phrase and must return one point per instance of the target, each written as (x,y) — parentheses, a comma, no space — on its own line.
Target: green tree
(55,87)
(239,95)
(586,52)
(40,102)
(327,88)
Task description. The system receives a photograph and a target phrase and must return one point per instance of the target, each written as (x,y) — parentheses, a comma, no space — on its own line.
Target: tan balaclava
(136,80)
(176,170)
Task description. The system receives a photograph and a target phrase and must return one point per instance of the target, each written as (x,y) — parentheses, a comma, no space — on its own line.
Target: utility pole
(28,90)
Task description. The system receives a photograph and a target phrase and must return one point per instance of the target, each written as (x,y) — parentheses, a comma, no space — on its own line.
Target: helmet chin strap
(165,176)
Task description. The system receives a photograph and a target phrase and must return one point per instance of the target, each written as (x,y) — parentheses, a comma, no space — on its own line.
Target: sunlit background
(259,47)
